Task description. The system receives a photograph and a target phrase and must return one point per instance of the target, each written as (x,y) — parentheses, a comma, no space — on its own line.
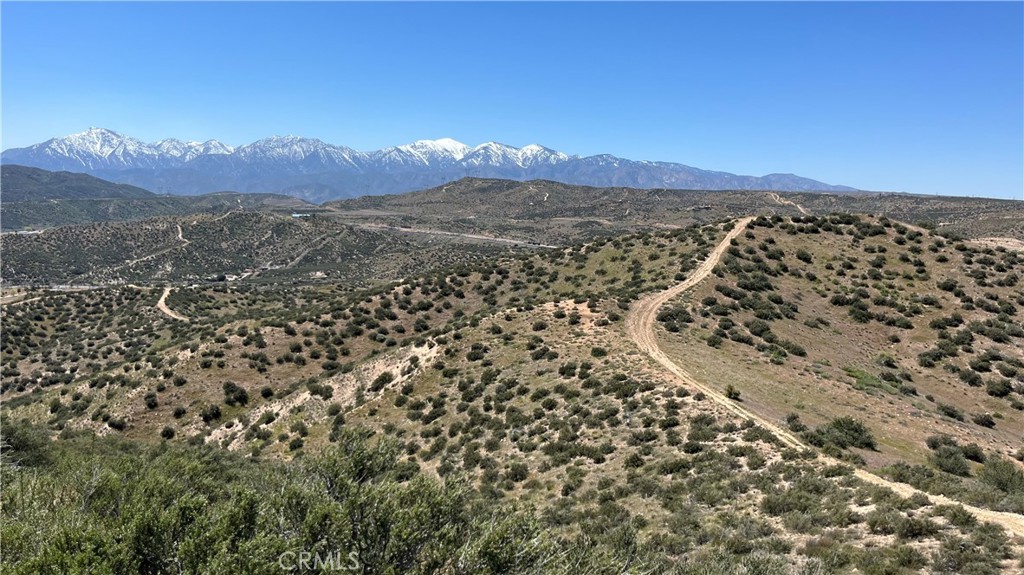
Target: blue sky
(916,97)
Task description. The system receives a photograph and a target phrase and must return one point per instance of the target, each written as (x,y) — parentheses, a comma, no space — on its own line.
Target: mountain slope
(25,184)
(317,171)
(34,199)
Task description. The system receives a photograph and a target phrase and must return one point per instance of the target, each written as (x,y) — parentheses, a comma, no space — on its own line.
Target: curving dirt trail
(161,305)
(640,326)
(780,200)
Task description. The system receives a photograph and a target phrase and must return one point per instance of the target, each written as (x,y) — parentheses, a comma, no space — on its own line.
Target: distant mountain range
(317,171)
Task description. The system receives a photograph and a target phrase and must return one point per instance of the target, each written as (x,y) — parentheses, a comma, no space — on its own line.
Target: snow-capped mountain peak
(493,154)
(99,148)
(99,141)
(442,147)
(216,147)
(492,146)
(533,154)
(174,147)
(444,152)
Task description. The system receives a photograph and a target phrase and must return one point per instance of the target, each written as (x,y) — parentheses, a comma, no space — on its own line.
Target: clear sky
(916,97)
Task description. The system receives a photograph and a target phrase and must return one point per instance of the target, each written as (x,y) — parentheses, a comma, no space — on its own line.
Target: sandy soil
(1008,243)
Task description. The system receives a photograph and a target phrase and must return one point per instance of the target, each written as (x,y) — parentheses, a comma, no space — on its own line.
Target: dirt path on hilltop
(640,324)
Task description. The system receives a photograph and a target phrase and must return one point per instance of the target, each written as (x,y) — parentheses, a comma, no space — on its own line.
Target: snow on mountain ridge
(444,146)
(444,152)
(189,150)
(100,147)
(493,154)
(534,154)
(296,165)
(308,153)
(102,142)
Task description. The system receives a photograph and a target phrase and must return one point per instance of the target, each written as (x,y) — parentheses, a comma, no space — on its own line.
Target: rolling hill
(25,184)
(845,397)
(35,199)
(254,246)
(552,212)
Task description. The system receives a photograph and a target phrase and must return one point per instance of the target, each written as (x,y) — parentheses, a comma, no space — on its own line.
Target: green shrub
(210,413)
(842,432)
(1003,475)
(633,461)
(984,420)
(998,387)
(883,521)
(951,460)
(950,411)
(234,394)
(381,380)
(24,443)
(916,528)
(794,424)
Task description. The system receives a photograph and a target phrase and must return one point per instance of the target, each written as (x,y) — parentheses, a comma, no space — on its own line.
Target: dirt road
(452,234)
(313,244)
(780,200)
(161,305)
(180,237)
(13,299)
(640,324)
